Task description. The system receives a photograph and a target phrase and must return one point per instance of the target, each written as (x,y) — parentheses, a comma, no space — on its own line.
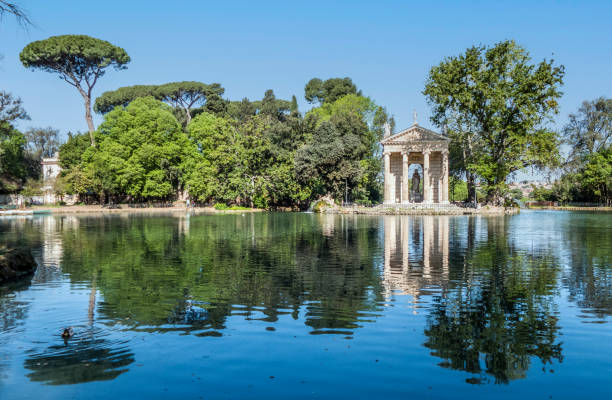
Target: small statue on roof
(387,127)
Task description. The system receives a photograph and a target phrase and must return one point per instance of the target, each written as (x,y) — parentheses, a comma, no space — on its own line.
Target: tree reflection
(493,323)
(12,314)
(589,278)
(85,360)
(191,273)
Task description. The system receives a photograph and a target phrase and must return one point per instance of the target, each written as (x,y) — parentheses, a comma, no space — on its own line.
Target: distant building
(51,169)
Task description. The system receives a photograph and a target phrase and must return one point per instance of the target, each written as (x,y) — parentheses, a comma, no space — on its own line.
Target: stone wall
(47,198)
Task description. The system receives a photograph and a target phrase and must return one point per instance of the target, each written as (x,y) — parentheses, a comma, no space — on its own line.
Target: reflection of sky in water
(302,305)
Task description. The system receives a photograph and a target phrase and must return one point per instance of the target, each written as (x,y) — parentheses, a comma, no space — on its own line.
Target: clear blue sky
(386,47)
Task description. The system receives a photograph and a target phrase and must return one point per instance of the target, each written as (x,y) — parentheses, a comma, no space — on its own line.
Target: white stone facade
(51,169)
(416,145)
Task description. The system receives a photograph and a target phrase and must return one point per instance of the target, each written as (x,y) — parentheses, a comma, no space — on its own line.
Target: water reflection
(79,360)
(13,313)
(589,278)
(161,276)
(486,298)
(416,254)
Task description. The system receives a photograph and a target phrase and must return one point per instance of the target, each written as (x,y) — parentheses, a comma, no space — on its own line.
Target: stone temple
(416,166)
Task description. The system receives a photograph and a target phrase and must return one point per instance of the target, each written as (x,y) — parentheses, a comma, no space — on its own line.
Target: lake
(296,305)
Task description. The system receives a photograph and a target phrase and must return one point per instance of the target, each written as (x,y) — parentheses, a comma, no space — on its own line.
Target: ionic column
(426,179)
(444,198)
(387,158)
(405,177)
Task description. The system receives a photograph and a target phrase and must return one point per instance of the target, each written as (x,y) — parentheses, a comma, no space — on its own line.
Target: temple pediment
(413,134)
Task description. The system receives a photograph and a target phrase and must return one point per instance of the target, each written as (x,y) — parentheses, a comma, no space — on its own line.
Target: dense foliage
(261,153)
(587,171)
(16,164)
(187,98)
(182,140)
(495,105)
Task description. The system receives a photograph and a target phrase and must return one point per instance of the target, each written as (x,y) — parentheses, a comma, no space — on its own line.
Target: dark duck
(68,333)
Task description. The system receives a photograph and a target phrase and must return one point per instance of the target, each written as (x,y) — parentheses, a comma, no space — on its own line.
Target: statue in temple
(415,193)
(416,181)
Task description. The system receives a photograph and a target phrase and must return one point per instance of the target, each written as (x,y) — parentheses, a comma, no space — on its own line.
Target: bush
(32,187)
(223,207)
(363,202)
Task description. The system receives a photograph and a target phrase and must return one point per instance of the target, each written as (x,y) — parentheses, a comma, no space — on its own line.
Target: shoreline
(447,209)
(123,209)
(570,208)
(438,209)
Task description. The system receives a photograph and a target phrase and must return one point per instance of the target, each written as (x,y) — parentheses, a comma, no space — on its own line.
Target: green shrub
(223,207)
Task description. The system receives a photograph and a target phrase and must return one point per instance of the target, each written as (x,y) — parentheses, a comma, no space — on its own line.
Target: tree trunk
(187,116)
(471,185)
(89,120)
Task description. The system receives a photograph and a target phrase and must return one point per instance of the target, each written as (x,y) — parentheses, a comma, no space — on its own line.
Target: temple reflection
(416,253)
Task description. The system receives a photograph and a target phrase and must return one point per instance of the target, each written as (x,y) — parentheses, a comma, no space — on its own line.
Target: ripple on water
(92,354)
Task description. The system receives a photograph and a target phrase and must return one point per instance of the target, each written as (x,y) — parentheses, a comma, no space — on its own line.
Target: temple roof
(415,133)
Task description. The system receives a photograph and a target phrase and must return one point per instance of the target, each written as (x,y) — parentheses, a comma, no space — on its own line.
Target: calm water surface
(310,306)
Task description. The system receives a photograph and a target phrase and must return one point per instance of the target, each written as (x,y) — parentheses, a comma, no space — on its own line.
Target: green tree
(187,95)
(215,104)
(140,152)
(330,90)
(241,110)
(42,142)
(12,158)
(122,97)
(495,104)
(329,162)
(294,105)
(71,152)
(458,189)
(11,108)
(210,172)
(79,60)
(540,193)
(273,107)
(597,175)
(342,158)
(588,131)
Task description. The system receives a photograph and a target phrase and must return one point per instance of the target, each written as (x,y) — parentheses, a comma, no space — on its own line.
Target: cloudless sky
(386,47)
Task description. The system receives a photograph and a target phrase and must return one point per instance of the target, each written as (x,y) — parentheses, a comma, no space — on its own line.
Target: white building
(51,169)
